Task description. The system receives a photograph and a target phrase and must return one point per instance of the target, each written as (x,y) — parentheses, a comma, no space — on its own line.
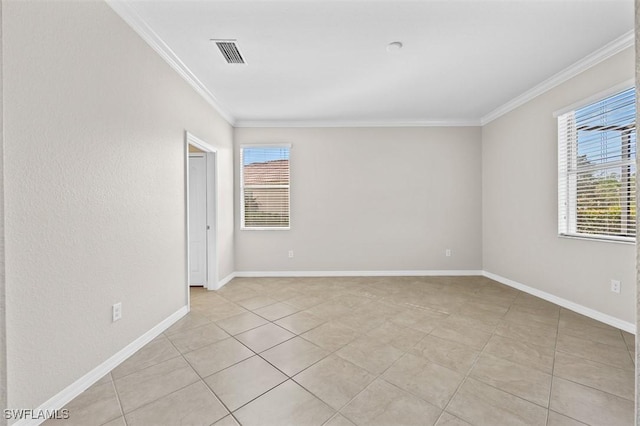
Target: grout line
(371,297)
(159,398)
(553,366)
(252,399)
(329,353)
(196,371)
(174,391)
(475,361)
(201,378)
(258,354)
(148,366)
(188,328)
(115,390)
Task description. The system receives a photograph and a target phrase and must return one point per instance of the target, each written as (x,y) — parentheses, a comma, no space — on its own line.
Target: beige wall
(372,199)
(3,335)
(94,124)
(520,225)
(637,298)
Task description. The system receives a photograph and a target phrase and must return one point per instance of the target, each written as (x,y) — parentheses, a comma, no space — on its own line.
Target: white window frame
(243,226)
(567,212)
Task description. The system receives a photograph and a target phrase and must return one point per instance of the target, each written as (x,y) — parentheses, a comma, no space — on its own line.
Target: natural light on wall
(597,169)
(264,178)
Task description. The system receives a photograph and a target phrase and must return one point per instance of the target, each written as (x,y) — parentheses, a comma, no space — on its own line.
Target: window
(597,169)
(264,178)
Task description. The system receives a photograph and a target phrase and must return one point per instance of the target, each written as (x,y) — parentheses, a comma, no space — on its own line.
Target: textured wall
(637,298)
(372,199)
(3,335)
(94,174)
(520,207)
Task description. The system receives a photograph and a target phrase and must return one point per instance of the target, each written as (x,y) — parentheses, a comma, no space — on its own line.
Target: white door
(198,220)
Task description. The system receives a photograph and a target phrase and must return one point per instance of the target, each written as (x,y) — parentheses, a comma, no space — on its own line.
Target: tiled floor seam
(115,390)
(468,373)
(553,366)
(336,414)
(553,375)
(113,382)
(220,399)
(379,376)
(168,336)
(246,403)
(265,360)
(274,346)
(596,389)
(466,376)
(358,394)
(258,396)
(114,379)
(230,366)
(201,379)
(593,360)
(157,399)
(192,367)
(512,394)
(630,350)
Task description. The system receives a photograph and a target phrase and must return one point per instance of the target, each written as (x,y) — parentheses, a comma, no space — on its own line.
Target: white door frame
(212,182)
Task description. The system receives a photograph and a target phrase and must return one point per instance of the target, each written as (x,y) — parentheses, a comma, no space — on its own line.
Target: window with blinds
(597,169)
(265,181)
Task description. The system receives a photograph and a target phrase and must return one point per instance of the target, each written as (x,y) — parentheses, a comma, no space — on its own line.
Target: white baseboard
(425,273)
(591,313)
(302,274)
(224,281)
(83,383)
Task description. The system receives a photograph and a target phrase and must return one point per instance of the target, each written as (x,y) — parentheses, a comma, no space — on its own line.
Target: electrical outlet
(290,254)
(117,311)
(447,252)
(615,286)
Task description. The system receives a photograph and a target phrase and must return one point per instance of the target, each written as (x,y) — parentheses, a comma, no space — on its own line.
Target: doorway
(200,206)
(198,226)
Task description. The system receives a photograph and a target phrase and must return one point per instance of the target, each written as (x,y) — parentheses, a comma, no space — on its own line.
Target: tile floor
(370,351)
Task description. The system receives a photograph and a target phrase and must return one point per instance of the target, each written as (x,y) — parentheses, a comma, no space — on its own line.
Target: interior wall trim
(83,383)
(224,281)
(344,123)
(572,306)
(127,12)
(131,17)
(623,42)
(393,273)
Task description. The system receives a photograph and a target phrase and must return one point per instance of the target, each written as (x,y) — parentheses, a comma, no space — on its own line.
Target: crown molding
(131,17)
(339,123)
(605,52)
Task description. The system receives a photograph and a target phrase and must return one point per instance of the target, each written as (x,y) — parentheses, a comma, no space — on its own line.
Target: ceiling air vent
(230,51)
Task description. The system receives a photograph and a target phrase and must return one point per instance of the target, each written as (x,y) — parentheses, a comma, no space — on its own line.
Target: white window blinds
(597,169)
(265,181)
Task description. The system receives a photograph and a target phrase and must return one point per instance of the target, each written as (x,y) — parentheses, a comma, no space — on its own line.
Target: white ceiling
(325,62)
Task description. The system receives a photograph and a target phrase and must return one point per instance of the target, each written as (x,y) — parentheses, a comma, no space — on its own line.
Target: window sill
(242,228)
(614,240)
